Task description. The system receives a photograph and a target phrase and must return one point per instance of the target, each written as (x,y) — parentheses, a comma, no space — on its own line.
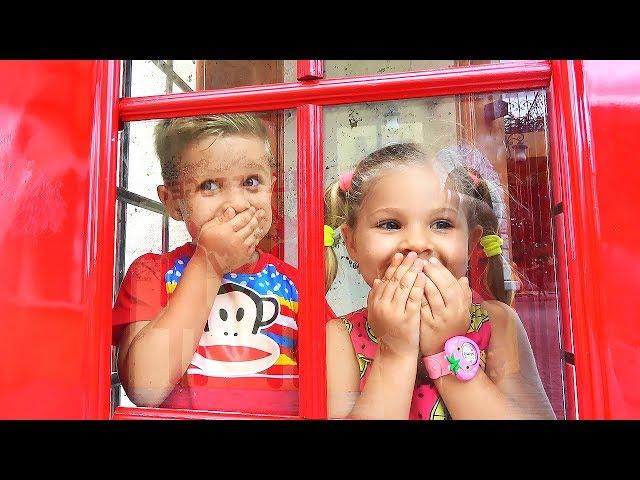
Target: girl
(410,223)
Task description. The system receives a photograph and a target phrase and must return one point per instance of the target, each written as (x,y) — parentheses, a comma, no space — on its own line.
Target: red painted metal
(558,148)
(311,323)
(142,413)
(58,164)
(563,282)
(611,97)
(575,159)
(560,244)
(56,297)
(450,81)
(598,115)
(571,402)
(100,227)
(310,69)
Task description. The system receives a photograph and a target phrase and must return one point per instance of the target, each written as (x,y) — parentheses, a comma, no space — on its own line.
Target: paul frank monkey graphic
(232,343)
(249,329)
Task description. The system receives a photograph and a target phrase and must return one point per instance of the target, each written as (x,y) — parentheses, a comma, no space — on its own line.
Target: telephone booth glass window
(223,370)
(338,121)
(354,68)
(157,77)
(504,136)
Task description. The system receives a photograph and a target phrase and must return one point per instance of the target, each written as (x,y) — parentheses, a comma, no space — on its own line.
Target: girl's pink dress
(426,403)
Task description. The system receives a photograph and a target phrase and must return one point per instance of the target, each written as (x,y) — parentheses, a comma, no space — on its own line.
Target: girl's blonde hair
(462,169)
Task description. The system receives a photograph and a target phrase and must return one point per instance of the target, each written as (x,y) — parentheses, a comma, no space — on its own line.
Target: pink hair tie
(475,178)
(344,181)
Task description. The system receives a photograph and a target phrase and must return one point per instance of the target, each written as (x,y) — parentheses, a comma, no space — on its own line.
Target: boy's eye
(209,186)
(252,182)
(389,225)
(442,224)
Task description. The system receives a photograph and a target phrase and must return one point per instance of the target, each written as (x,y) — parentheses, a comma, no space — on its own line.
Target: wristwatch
(461,357)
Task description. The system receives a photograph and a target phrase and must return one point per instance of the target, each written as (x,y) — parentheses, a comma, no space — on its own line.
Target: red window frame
(309,95)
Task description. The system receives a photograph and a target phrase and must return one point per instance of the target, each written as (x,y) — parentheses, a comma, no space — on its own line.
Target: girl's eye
(389,225)
(251,182)
(442,224)
(209,186)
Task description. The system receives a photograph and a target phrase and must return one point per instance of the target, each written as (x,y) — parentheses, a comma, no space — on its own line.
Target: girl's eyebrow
(390,210)
(394,210)
(444,210)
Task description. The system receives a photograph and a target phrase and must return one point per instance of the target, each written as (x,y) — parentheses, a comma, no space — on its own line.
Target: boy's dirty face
(220,172)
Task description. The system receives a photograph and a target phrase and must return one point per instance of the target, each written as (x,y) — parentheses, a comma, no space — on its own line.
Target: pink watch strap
(437,365)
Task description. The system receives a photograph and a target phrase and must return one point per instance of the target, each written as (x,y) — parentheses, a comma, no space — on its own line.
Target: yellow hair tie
(492,245)
(329,236)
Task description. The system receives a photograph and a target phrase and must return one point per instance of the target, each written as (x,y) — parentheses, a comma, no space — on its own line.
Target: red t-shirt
(247,357)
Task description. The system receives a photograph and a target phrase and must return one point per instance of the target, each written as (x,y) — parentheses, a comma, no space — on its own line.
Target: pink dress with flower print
(426,403)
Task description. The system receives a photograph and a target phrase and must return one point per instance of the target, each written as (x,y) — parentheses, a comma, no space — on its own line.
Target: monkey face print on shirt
(251,330)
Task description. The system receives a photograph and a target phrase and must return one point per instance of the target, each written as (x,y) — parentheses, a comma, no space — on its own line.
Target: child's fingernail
(417,265)
(433,260)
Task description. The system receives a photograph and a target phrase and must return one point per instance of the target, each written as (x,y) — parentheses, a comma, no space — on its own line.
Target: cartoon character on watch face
(469,353)
(463,356)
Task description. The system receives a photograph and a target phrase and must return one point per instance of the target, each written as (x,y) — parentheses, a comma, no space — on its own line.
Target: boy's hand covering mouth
(229,213)
(230,240)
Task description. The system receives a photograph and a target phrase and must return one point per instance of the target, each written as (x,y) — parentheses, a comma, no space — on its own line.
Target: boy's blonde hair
(173,135)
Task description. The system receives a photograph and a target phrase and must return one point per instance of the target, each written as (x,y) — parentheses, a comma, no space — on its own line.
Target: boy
(212,324)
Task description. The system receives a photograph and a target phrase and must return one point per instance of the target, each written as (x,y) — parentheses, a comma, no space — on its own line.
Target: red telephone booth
(561,131)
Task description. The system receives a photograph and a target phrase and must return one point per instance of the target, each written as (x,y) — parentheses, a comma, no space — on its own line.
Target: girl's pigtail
(497,268)
(335,205)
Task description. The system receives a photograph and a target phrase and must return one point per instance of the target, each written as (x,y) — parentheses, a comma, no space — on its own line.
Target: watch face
(469,353)
(463,356)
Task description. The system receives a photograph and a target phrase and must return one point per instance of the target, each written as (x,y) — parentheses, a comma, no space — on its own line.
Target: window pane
(290,191)
(178,234)
(157,77)
(144,233)
(138,159)
(504,136)
(248,365)
(355,68)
